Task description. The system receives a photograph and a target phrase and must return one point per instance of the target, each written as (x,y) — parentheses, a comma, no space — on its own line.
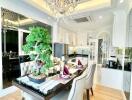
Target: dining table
(51,86)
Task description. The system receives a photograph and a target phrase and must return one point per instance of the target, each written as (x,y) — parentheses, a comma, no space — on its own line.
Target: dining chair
(89,72)
(25,66)
(76,92)
(77,89)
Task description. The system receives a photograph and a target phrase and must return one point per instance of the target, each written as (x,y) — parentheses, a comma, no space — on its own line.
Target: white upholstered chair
(77,89)
(76,92)
(89,78)
(26,67)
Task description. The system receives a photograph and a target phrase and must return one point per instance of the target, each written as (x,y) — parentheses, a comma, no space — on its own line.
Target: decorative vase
(37,79)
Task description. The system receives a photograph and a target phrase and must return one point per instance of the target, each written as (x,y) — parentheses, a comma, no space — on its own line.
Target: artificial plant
(38,46)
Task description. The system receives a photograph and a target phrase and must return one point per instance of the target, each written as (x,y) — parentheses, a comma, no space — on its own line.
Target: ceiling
(84,5)
(93,21)
(90,15)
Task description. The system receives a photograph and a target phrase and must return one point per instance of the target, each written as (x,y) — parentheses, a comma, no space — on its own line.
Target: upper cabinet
(73,39)
(129,33)
(82,39)
(122,29)
(119,29)
(62,35)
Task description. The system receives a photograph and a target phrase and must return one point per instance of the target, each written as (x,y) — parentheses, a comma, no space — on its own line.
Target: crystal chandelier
(62,6)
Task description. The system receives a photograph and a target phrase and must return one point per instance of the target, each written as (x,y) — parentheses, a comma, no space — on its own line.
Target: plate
(64,76)
(79,66)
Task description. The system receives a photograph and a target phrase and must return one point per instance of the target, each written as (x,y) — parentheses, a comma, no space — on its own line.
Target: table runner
(46,86)
(43,87)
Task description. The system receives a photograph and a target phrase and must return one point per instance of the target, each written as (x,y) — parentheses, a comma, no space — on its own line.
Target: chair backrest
(26,67)
(25,64)
(90,75)
(77,89)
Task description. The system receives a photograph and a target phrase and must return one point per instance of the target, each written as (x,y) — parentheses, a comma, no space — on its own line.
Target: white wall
(1,75)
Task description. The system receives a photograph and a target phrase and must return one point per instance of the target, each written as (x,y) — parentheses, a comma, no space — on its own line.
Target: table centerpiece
(38,46)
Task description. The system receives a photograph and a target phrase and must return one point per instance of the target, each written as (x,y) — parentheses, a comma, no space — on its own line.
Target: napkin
(79,62)
(65,71)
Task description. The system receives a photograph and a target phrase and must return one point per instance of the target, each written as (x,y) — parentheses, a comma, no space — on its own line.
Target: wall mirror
(14,31)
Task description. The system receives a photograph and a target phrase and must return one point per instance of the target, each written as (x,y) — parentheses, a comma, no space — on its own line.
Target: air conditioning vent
(79,20)
(83,19)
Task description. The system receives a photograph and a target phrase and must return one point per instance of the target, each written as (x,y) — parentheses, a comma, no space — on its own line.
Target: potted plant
(38,46)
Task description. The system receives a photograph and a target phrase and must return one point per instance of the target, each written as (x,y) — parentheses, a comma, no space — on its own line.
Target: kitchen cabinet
(119,29)
(129,33)
(82,39)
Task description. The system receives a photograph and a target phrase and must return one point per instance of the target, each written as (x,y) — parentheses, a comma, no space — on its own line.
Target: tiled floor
(100,93)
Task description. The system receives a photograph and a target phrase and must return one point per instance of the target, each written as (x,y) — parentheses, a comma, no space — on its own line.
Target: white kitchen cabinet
(62,35)
(119,29)
(129,33)
(82,39)
(129,38)
(110,77)
(65,36)
(72,39)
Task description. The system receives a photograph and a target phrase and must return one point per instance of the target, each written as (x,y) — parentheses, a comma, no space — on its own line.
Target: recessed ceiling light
(121,1)
(100,17)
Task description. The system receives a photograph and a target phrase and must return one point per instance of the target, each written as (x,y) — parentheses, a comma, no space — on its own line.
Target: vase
(37,79)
